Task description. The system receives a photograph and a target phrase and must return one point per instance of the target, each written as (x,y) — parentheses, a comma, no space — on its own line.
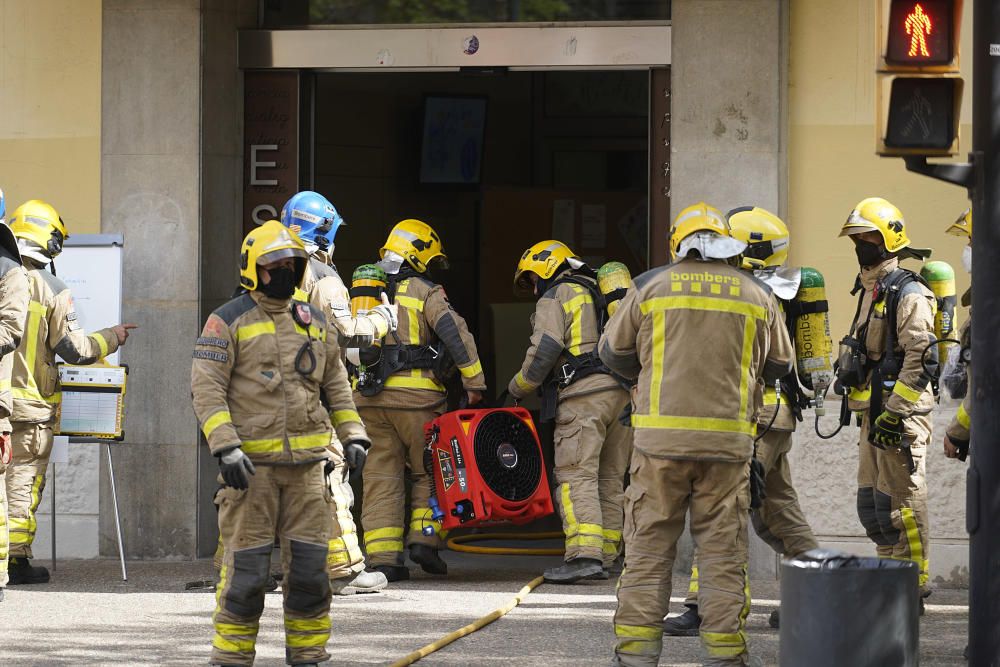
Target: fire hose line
(472,627)
(459,544)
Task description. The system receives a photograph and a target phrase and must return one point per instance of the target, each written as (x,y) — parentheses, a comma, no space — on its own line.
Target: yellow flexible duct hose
(472,627)
(459,544)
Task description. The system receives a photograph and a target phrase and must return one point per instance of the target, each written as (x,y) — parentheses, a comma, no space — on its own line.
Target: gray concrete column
(727,76)
(171,178)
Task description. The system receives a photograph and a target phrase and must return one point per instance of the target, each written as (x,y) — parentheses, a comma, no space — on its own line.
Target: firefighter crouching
(592,446)
(698,335)
(316,221)
(399,389)
(260,366)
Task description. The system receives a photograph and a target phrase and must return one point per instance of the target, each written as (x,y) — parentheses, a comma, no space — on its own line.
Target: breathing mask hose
(845,418)
(777,408)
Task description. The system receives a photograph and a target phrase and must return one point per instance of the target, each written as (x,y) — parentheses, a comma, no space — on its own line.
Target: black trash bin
(839,610)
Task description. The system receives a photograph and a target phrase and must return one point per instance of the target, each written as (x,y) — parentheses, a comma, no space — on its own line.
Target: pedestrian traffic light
(918,87)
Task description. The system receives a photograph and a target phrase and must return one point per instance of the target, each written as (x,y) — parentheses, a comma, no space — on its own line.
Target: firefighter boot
(393,572)
(428,559)
(21,571)
(573,571)
(685,625)
(775,620)
(362,582)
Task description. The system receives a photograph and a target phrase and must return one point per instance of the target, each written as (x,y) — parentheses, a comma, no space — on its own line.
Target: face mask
(967,258)
(282,284)
(868,253)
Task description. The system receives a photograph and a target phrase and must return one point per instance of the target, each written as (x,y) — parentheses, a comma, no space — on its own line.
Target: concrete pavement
(88,616)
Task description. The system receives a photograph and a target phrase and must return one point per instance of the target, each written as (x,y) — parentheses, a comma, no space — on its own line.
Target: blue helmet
(3,208)
(312,217)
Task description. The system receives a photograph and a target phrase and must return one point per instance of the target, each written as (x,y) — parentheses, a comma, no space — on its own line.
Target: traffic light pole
(983,491)
(981,176)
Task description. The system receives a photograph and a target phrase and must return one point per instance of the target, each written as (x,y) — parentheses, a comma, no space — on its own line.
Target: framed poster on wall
(451,152)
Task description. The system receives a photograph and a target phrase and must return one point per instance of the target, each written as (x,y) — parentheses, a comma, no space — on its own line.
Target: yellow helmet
(38,223)
(703,218)
(269,243)
(542,259)
(764,233)
(962,226)
(417,243)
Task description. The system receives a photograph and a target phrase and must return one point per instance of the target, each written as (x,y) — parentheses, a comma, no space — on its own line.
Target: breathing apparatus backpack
(383,360)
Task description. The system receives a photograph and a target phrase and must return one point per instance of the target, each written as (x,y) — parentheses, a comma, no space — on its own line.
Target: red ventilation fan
(486,466)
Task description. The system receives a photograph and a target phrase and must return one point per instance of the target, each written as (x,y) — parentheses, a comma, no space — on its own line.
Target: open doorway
(494,162)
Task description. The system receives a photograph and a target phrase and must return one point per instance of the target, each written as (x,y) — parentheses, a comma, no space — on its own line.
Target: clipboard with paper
(93,401)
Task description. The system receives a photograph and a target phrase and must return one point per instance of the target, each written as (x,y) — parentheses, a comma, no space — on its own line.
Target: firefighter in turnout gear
(958,434)
(592,447)
(881,365)
(779,521)
(50,328)
(400,387)
(316,221)
(263,368)
(13,310)
(699,335)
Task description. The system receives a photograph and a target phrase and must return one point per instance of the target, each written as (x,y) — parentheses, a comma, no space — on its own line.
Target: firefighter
(316,221)
(260,366)
(698,334)
(958,434)
(400,391)
(50,328)
(13,310)
(592,447)
(779,521)
(881,364)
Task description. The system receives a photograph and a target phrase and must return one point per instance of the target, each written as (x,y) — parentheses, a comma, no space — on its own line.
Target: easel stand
(114,499)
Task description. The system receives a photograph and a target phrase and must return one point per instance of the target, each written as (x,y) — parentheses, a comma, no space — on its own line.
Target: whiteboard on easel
(91,266)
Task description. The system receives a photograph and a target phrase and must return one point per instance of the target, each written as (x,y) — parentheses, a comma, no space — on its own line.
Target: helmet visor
(281,253)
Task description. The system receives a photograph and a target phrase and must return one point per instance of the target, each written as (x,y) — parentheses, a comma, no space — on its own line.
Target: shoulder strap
(600,303)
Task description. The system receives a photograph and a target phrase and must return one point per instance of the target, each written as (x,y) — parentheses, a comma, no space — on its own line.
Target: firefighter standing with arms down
(316,221)
(699,335)
(260,366)
(400,389)
(51,328)
(881,364)
(592,447)
(13,308)
(779,521)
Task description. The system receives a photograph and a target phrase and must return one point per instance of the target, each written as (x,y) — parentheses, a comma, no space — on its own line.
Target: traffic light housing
(918,87)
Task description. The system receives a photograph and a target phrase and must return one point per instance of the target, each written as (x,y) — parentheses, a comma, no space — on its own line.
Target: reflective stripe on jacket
(247,392)
(51,328)
(699,336)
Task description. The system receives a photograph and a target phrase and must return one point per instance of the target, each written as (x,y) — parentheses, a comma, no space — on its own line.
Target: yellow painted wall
(50,107)
(831,154)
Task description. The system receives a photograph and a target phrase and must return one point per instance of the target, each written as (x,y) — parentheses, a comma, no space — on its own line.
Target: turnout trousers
(661,493)
(397,437)
(32,445)
(892,501)
(592,450)
(292,503)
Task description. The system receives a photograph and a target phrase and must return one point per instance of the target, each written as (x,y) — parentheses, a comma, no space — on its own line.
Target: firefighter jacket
(323,288)
(961,423)
(13,312)
(565,321)
(51,328)
(699,336)
(915,307)
(247,391)
(426,319)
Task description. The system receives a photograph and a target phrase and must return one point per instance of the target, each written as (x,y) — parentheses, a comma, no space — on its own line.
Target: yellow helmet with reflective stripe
(698,218)
(764,233)
(962,226)
(39,223)
(417,243)
(269,243)
(543,259)
(877,214)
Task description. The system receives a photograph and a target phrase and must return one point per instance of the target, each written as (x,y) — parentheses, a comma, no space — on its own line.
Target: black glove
(962,446)
(757,492)
(887,431)
(236,468)
(355,454)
